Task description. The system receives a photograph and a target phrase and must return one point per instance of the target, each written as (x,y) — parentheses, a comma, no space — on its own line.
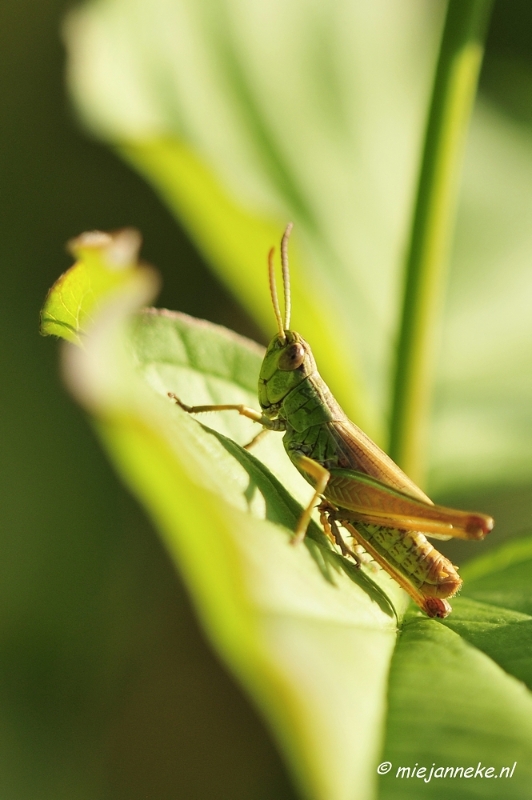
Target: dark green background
(107,687)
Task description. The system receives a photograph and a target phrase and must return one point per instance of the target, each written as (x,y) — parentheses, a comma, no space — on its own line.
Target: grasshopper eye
(293,357)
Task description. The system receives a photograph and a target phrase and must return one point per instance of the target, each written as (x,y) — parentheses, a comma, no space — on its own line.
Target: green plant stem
(434,212)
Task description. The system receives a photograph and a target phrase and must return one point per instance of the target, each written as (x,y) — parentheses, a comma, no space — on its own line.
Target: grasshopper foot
(179,402)
(435,607)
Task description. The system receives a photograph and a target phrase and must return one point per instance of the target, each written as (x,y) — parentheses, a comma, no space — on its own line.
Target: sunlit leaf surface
(312,639)
(244,115)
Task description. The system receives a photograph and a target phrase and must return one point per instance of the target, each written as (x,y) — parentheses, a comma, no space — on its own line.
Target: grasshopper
(355,483)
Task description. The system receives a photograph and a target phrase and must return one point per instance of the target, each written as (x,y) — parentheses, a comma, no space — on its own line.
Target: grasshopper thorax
(287,363)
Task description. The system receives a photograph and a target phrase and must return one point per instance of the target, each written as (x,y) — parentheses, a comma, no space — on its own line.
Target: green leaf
(502,577)
(503,634)
(450,706)
(105,262)
(458,697)
(246,115)
(294,624)
(309,636)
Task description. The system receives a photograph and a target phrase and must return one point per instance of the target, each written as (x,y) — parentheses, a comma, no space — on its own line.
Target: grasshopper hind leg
(430,597)
(330,526)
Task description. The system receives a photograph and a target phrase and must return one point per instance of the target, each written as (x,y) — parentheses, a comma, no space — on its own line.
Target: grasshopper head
(288,362)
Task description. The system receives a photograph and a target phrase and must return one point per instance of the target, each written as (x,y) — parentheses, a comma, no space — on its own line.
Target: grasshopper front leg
(243,410)
(319,474)
(260,435)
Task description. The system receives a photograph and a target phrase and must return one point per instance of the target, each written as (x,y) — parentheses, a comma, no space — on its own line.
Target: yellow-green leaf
(104,263)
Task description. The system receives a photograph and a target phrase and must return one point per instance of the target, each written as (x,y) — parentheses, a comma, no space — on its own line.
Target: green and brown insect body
(315,429)
(355,483)
(422,571)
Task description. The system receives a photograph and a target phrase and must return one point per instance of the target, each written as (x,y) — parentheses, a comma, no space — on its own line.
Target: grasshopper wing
(372,501)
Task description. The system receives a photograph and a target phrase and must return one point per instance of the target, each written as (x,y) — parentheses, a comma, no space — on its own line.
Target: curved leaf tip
(105,262)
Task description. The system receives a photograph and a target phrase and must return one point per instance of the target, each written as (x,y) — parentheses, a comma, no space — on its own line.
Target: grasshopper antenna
(273,294)
(286,274)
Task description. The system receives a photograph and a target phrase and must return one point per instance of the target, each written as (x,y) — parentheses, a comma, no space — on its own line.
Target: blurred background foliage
(108,688)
